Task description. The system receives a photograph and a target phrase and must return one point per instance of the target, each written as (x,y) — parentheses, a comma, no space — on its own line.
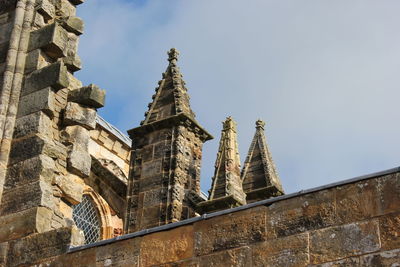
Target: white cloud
(323,74)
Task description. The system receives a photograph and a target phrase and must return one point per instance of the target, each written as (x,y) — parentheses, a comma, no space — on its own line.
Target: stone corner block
(34,146)
(74,25)
(90,95)
(76,135)
(79,162)
(76,114)
(17,225)
(52,39)
(73,63)
(54,76)
(72,188)
(46,9)
(34,123)
(41,100)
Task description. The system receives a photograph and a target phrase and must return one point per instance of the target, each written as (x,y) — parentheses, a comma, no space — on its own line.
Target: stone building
(75,191)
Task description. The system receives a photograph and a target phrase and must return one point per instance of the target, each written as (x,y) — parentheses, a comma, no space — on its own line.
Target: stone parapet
(301,229)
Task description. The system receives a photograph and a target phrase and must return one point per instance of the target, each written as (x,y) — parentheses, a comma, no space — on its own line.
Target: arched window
(87,218)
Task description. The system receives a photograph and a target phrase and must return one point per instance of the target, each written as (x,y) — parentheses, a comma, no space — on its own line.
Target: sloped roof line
(114,130)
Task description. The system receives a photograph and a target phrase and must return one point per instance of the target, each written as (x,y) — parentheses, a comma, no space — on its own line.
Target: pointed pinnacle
(173,54)
(229,123)
(260,124)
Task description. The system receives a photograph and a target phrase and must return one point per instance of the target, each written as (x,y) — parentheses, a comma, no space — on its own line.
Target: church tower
(259,175)
(166,156)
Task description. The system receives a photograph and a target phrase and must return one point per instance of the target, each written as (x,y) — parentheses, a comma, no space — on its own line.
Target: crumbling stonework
(45,118)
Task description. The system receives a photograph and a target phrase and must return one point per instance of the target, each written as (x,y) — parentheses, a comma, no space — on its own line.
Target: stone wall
(353,223)
(105,145)
(45,120)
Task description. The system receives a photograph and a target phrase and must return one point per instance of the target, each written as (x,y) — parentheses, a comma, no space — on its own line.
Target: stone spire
(259,175)
(164,181)
(226,190)
(171,97)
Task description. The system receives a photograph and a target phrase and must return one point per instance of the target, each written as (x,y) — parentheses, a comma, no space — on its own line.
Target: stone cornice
(180,119)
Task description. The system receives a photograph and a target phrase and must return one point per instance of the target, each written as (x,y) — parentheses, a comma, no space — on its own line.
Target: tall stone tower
(259,175)
(166,156)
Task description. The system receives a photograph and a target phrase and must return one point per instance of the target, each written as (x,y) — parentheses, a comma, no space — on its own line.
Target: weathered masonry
(75,191)
(350,223)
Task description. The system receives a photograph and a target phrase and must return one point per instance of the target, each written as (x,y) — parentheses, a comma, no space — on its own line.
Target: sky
(324,75)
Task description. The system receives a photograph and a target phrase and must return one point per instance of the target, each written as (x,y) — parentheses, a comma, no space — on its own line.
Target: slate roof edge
(114,130)
(244,207)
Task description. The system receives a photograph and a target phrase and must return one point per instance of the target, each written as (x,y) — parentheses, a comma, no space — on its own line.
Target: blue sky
(324,75)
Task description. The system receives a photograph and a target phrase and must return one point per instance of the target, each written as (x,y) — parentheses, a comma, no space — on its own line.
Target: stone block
(153,197)
(73,63)
(77,237)
(357,202)
(76,114)
(41,100)
(389,229)
(76,135)
(90,95)
(343,241)
(72,188)
(79,162)
(229,231)
(74,25)
(123,253)
(147,153)
(385,258)
(31,170)
(65,8)
(36,59)
(301,214)
(17,225)
(348,262)
(54,76)
(389,192)
(154,215)
(35,123)
(85,258)
(27,196)
(168,246)
(34,146)
(74,83)
(35,248)
(46,9)
(233,257)
(3,253)
(77,2)
(52,39)
(286,251)
(150,183)
(38,21)
(151,168)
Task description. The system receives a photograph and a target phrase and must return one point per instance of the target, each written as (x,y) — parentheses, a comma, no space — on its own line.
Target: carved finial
(260,124)
(229,123)
(173,54)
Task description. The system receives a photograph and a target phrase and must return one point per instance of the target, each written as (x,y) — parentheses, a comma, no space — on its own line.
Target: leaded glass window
(86,217)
